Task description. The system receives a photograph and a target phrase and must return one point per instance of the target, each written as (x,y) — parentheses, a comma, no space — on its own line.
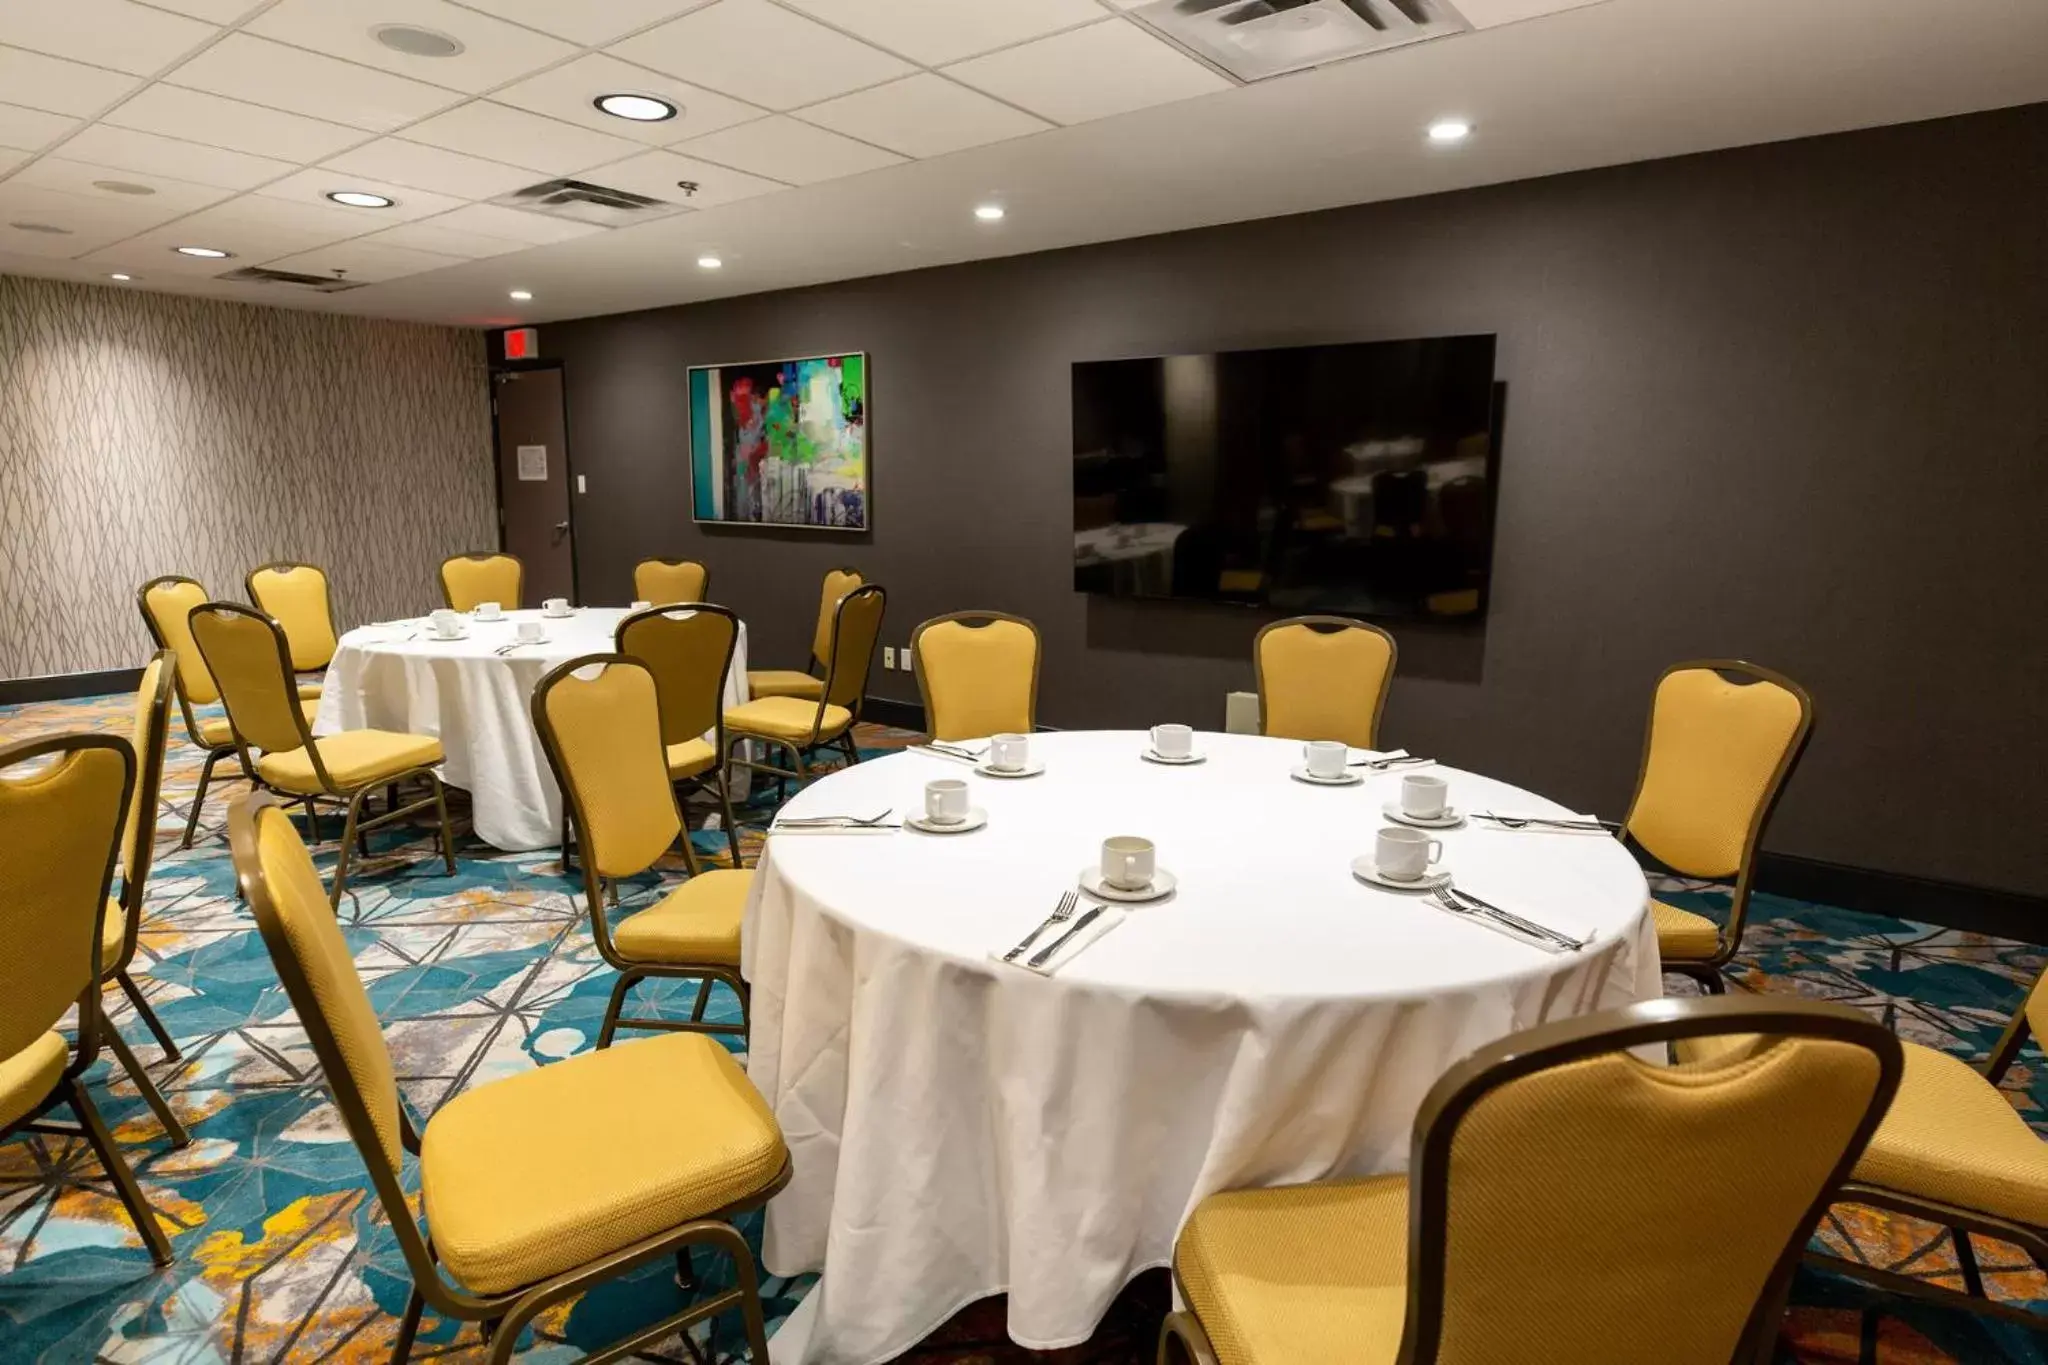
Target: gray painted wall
(1785,403)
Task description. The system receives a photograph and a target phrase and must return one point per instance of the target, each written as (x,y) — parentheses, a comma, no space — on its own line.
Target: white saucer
(490,620)
(558,615)
(438,638)
(976,818)
(1450,819)
(1163,883)
(1153,756)
(1028,770)
(1366,870)
(1302,774)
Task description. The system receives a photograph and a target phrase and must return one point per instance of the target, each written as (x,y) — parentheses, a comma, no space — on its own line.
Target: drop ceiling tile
(787,150)
(923,115)
(937,31)
(112,33)
(755,51)
(493,51)
(16,239)
(31,128)
(213,11)
(313,185)
(416,165)
(1090,73)
(253,228)
(588,23)
(166,198)
(656,174)
(198,117)
(567,93)
(60,87)
(11,157)
(514,225)
(88,222)
(365,260)
(300,82)
(127,149)
(507,134)
(431,236)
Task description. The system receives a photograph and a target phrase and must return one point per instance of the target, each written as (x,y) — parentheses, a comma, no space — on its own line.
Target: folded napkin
(1537,828)
(1110,917)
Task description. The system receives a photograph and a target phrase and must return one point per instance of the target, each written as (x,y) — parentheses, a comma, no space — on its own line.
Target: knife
(1045,955)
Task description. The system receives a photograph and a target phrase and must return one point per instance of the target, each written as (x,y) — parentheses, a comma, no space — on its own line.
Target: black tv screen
(1354,479)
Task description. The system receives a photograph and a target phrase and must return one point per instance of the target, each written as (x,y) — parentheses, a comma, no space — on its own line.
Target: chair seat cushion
(1304,1272)
(528,1177)
(216,733)
(691,757)
(783,682)
(1682,935)
(699,921)
(113,935)
(28,1077)
(354,759)
(786,718)
(1953,1137)
(309,692)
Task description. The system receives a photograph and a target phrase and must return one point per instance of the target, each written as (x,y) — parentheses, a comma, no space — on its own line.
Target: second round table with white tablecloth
(960,1128)
(477,702)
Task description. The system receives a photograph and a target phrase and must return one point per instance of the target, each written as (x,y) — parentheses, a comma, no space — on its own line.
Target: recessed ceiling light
(639,108)
(122,187)
(360,199)
(521,295)
(709,262)
(989,213)
(205,253)
(1449,130)
(49,228)
(122,278)
(415,41)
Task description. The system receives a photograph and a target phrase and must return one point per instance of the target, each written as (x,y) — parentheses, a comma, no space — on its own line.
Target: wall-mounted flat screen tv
(1355,479)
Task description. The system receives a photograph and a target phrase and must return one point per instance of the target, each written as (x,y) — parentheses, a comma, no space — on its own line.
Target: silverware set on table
(956,751)
(1544,822)
(1462,902)
(822,822)
(1397,759)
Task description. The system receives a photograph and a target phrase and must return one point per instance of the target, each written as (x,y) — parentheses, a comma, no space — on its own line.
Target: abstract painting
(781,443)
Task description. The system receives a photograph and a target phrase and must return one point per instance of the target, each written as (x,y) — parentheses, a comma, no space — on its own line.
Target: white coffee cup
(1424,796)
(1325,757)
(1009,753)
(1127,861)
(1172,741)
(945,801)
(529,632)
(489,611)
(556,606)
(1405,854)
(639,605)
(447,624)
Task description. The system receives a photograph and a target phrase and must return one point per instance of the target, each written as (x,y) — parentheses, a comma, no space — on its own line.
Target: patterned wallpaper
(143,434)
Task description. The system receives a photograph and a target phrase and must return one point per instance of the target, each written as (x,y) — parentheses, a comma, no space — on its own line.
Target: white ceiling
(837,138)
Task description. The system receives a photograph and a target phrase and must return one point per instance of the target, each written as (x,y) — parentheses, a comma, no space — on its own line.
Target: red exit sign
(522,343)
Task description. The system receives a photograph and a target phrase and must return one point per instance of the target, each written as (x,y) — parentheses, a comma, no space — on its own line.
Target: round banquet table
(960,1128)
(476,701)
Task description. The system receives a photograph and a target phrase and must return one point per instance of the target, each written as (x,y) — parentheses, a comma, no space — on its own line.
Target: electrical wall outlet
(888,656)
(904,654)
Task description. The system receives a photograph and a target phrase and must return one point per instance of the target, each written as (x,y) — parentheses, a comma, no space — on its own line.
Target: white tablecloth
(959,1128)
(477,703)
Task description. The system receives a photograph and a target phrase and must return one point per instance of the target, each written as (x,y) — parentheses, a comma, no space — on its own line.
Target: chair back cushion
(838,583)
(296,596)
(467,580)
(1323,678)
(689,654)
(857,626)
(61,806)
(245,652)
(1716,755)
(978,679)
(603,738)
(152,722)
(168,602)
(667,581)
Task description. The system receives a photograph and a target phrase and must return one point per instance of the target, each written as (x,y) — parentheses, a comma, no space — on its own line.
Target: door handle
(561,529)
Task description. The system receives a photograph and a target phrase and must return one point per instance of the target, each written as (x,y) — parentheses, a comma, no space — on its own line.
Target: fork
(1455,901)
(1524,821)
(1390,761)
(956,750)
(1061,913)
(854,821)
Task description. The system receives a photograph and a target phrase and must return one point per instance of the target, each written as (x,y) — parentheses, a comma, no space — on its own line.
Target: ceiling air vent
(584,202)
(319,284)
(1254,39)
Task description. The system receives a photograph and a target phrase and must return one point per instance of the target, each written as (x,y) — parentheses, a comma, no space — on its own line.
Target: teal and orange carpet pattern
(284,1256)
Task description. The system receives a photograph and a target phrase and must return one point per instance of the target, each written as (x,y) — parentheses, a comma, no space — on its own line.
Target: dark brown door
(533,481)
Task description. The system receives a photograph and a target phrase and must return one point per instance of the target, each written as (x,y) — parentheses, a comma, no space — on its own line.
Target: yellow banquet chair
(1723,737)
(167,604)
(800,726)
(784,682)
(603,738)
(690,654)
(247,653)
(482,576)
(539,1186)
(664,582)
(1566,1203)
(977,672)
(296,597)
(1323,677)
(63,799)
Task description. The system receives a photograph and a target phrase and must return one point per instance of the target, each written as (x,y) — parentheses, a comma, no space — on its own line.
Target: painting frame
(708,396)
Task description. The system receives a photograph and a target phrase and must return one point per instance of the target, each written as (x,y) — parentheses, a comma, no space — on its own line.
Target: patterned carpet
(283,1256)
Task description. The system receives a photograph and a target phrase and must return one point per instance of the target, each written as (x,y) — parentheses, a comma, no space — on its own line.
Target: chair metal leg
(732,826)
(148,1015)
(686,1271)
(1966,1259)
(441,807)
(199,797)
(117,1171)
(151,1096)
(408,1327)
(348,839)
(703,999)
(611,1011)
